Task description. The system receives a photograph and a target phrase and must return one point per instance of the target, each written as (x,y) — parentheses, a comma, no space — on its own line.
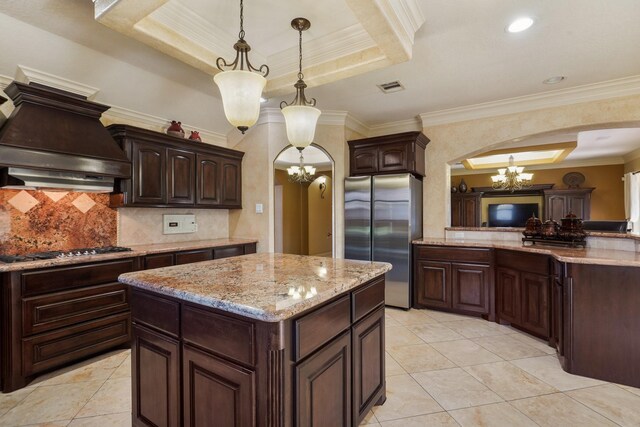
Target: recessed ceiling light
(263,100)
(520,24)
(553,80)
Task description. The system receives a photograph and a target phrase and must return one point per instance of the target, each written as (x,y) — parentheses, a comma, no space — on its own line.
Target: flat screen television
(511,214)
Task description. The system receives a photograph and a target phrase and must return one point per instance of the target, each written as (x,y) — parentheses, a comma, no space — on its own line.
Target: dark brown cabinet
(523,284)
(323,384)
(155,378)
(168,171)
(455,279)
(215,389)
(368,362)
(558,203)
(180,177)
(187,257)
(398,153)
(323,367)
(148,180)
(465,209)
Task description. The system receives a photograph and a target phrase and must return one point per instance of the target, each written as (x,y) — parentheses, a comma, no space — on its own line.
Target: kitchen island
(263,339)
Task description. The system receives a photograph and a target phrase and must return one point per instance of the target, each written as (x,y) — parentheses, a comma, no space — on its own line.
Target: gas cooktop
(62,254)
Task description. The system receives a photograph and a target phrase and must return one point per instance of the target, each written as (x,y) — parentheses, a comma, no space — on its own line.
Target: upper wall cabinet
(173,172)
(558,203)
(398,153)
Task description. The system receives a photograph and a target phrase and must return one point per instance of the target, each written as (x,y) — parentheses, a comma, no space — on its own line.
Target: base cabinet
(198,366)
(155,379)
(324,386)
(215,389)
(454,279)
(523,284)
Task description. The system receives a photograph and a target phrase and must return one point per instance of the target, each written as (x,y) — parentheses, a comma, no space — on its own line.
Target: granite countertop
(571,255)
(136,250)
(266,286)
(590,233)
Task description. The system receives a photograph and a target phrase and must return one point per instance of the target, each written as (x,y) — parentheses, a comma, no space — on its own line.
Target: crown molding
(590,92)
(28,75)
(5,81)
(356,125)
(121,114)
(601,161)
(635,154)
(347,41)
(389,128)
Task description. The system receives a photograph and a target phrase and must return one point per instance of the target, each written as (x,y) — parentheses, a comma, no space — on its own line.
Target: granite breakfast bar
(258,340)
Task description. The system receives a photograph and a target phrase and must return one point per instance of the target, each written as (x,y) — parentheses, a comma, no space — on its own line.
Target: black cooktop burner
(60,254)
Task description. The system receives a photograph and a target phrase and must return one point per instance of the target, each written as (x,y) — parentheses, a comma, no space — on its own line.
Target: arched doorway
(303,210)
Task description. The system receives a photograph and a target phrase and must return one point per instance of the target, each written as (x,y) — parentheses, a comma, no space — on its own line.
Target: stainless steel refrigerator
(383,214)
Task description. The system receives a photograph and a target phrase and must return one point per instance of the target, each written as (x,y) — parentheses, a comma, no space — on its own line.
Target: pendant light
(241,89)
(300,115)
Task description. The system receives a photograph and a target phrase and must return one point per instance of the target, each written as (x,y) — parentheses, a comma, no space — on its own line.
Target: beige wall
(320,216)
(141,226)
(455,141)
(632,165)
(607,200)
(261,145)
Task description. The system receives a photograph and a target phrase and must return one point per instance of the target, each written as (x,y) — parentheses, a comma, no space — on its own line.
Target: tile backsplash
(33,221)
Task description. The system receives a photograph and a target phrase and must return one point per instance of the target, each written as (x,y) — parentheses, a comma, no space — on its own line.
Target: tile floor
(442,370)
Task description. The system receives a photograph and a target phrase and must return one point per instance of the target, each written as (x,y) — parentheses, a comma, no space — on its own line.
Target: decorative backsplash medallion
(33,221)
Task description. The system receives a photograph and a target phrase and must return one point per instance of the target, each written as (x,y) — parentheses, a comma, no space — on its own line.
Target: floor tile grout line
(525,415)
(88,400)
(17,403)
(594,408)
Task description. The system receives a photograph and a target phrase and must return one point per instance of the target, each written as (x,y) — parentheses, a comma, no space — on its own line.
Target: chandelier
(241,89)
(511,178)
(300,115)
(301,173)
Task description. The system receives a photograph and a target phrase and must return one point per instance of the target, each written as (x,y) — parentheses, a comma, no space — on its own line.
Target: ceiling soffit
(382,34)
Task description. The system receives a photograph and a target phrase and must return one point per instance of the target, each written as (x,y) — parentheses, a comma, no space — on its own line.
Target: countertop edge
(554,252)
(136,251)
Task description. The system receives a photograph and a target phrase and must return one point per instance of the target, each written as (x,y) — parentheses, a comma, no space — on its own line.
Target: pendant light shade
(300,116)
(241,91)
(301,123)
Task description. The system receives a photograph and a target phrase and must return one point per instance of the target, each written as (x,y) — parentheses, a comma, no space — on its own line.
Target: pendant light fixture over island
(241,88)
(300,115)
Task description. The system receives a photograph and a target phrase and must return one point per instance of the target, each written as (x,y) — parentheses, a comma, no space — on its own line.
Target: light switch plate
(178,224)
(259,208)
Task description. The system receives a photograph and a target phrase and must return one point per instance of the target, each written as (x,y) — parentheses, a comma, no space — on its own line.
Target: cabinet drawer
(193,256)
(228,252)
(250,248)
(479,255)
(51,311)
(321,325)
(227,336)
(159,313)
(50,350)
(158,261)
(66,278)
(366,299)
(522,261)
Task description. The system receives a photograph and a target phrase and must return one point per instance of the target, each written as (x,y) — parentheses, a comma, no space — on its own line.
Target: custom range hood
(54,140)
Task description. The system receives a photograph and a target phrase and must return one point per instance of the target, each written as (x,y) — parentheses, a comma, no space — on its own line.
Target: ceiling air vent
(391,87)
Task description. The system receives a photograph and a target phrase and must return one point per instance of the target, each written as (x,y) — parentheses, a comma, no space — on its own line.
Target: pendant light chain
(241,34)
(300,75)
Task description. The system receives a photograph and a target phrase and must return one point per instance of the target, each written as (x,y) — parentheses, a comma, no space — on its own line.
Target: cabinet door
(156,378)
(471,211)
(208,187)
(149,174)
(216,392)
(580,205)
(508,295)
(231,183)
(470,287)
(368,364)
(393,157)
(181,176)
(323,384)
(457,219)
(364,160)
(158,261)
(433,284)
(535,303)
(556,207)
